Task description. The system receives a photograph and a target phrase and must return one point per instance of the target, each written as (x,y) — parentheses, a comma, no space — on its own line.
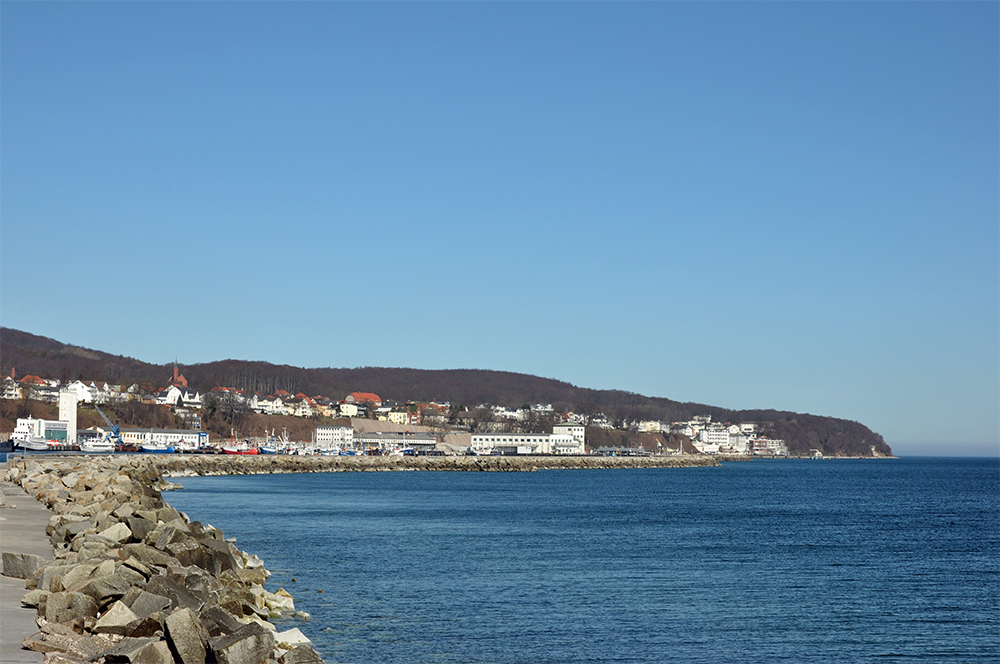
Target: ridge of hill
(51,359)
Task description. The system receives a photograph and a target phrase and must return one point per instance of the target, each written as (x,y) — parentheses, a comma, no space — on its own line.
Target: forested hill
(48,358)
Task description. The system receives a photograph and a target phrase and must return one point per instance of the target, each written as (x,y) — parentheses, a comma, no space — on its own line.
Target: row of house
(707,436)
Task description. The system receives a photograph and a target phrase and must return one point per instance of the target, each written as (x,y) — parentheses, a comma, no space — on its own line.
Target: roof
(363,396)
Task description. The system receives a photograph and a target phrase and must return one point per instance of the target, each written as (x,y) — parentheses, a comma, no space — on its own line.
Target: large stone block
(118,532)
(154,653)
(218,621)
(151,625)
(128,650)
(79,574)
(147,603)
(251,644)
(187,636)
(190,552)
(302,654)
(140,527)
(60,607)
(224,551)
(21,565)
(107,589)
(178,594)
(148,555)
(115,620)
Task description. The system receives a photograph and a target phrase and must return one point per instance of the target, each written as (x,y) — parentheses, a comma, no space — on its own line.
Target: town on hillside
(359,423)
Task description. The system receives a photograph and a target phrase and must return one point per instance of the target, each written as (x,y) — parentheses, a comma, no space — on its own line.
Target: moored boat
(24,437)
(157,448)
(97,446)
(32,444)
(238,449)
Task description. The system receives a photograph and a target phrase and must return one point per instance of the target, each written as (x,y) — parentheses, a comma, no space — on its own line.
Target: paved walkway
(22,530)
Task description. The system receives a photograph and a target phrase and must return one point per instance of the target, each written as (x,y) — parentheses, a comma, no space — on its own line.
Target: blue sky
(754,205)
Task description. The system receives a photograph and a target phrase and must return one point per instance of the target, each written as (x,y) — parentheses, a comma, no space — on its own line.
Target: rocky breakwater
(133,581)
(180,466)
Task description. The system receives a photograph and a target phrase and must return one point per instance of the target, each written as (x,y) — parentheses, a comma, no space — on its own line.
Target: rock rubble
(133,581)
(181,465)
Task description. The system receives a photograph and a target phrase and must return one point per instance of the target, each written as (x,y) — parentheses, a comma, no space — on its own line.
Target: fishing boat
(241,448)
(270,447)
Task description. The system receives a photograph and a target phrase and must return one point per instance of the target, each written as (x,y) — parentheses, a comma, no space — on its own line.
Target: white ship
(24,436)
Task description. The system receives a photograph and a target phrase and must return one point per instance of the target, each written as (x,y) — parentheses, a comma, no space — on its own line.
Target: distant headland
(249,399)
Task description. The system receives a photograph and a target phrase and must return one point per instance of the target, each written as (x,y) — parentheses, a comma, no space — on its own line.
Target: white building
(335,436)
(163,436)
(769,447)
(389,441)
(526,443)
(179,396)
(577,431)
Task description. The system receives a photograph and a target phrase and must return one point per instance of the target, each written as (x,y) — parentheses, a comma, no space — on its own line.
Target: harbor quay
(97,567)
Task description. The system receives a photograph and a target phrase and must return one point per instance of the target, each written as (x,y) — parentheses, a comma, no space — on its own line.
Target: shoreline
(131,579)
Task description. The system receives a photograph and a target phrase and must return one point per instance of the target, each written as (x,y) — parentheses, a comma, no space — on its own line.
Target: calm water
(768,561)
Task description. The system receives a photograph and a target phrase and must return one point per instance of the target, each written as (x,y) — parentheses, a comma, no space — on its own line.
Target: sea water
(762,561)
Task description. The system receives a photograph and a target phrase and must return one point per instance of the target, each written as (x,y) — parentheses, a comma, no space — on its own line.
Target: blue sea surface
(765,561)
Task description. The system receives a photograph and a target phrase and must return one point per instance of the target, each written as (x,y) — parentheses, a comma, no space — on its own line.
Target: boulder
(77,646)
(119,532)
(21,565)
(223,551)
(107,589)
(60,607)
(78,574)
(140,527)
(190,552)
(127,650)
(187,636)
(151,625)
(52,576)
(34,597)
(178,594)
(251,644)
(154,653)
(116,620)
(290,638)
(218,621)
(147,603)
(147,555)
(302,654)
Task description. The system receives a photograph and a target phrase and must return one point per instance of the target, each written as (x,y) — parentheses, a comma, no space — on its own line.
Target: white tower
(67,413)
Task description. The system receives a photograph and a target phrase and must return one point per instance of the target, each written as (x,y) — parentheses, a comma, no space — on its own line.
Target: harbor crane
(112,435)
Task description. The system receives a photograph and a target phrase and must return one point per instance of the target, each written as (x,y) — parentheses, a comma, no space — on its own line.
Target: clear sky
(752,205)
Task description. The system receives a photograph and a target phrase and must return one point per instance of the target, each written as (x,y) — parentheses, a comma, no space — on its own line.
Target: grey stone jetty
(22,531)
